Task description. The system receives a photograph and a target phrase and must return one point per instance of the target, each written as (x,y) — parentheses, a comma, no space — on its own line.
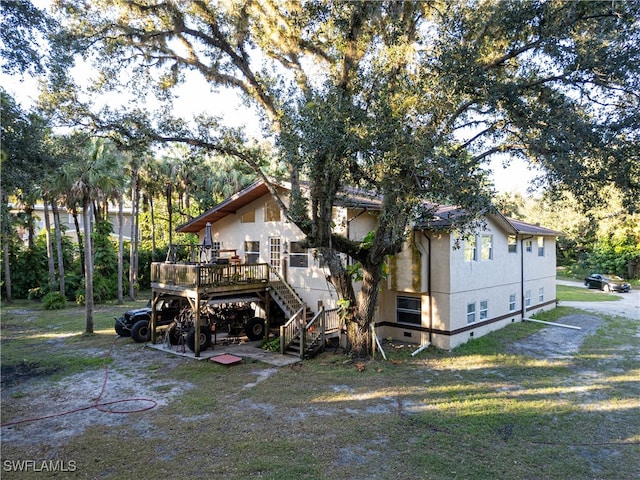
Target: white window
(274,253)
(512,243)
(251,251)
(215,249)
(409,310)
(298,255)
(528,246)
(527,298)
(470,254)
(541,294)
(484,309)
(486,247)
(512,302)
(541,246)
(471,312)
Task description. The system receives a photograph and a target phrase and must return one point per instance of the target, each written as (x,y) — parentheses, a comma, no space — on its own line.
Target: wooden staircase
(304,334)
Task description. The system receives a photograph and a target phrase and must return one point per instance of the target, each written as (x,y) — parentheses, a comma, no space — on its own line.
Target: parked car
(608,283)
(135,323)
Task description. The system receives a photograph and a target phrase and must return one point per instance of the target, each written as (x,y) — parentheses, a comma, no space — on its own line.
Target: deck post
(303,331)
(196,341)
(152,323)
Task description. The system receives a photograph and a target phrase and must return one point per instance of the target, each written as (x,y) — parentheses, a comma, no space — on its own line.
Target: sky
(196,97)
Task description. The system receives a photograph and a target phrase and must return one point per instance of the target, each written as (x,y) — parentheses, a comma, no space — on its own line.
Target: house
(441,289)
(67,221)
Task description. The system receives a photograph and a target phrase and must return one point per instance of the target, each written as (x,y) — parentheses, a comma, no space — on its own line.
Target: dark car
(135,323)
(608,283)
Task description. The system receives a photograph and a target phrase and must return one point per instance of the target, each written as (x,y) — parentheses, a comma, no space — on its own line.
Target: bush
(272,345)
(54,301)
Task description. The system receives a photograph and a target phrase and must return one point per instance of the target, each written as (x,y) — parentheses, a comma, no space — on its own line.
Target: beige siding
(457,283)
(310,283)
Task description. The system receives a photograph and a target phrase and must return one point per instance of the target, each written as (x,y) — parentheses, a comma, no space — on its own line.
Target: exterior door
(275,253)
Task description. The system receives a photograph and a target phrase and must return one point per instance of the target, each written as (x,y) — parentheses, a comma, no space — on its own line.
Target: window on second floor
(298,255)
(528,245)
(512,243)
(248,217)
(486,247)
(252,251)
(470,254)
(541,246)
(271,211)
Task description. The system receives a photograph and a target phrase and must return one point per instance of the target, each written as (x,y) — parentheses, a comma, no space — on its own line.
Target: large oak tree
(408,100)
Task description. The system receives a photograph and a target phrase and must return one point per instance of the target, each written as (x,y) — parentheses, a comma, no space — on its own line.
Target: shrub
(53,301)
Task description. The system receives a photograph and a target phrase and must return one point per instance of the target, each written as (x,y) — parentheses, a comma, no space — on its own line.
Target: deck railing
(284,294)
(189,253)
(290,330)
(208,274)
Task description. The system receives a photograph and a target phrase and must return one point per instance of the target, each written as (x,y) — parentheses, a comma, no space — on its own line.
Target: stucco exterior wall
(429,269)
(310,283)
(494,285)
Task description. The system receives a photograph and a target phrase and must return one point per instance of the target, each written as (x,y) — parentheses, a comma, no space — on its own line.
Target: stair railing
(292,329)
(291,300)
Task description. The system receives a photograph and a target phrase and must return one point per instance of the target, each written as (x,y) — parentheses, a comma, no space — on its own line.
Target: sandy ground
(134,391)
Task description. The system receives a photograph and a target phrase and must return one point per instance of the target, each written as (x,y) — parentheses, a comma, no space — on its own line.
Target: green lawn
(583,294)
(478,412)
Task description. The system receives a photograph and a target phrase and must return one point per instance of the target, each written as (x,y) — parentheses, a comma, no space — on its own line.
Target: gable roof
(357,198)
(227,207)
(524,228)
(444,217)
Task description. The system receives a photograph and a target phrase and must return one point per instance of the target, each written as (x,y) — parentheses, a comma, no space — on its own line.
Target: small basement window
(409,310)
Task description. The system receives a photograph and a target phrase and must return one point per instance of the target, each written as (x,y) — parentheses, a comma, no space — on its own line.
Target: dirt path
(38,398)
(557,342)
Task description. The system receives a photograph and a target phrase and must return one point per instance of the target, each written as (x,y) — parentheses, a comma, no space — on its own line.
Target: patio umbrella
(207,243)
(208,239)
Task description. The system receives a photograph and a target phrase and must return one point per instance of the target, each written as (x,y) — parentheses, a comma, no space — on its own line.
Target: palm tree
(89,181)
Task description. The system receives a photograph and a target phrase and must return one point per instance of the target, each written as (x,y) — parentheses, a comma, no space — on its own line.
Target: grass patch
(477,412)
(578,294)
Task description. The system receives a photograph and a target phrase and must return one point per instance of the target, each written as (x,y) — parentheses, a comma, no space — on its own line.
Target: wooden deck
(209,278)
(301,335)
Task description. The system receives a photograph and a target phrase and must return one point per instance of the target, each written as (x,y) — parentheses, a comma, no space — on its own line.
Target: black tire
(205,339)
(255,328)
(121,329)
(140,331)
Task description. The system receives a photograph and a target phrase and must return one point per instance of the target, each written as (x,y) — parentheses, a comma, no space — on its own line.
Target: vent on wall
(406,334)
(471,335)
